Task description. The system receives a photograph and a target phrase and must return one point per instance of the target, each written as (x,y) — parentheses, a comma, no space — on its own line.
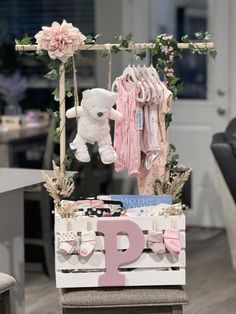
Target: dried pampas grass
(59,187)
(174,185)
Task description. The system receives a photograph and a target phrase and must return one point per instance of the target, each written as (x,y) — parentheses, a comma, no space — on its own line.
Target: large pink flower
(60,40)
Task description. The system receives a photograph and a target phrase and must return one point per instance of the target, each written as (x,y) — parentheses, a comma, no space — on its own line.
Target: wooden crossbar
(130,47)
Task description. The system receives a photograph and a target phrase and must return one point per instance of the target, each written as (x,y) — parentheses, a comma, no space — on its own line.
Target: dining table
(14,141)
(13,182)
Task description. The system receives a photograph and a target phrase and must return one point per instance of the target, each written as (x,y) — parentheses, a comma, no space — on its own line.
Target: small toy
(93,124)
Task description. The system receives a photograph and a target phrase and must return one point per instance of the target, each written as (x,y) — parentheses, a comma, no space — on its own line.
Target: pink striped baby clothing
(126,136)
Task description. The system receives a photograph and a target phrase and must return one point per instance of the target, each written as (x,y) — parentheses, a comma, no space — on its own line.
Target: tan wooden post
(62,110)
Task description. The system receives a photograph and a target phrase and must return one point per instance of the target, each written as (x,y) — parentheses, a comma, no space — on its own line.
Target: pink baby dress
(127,136)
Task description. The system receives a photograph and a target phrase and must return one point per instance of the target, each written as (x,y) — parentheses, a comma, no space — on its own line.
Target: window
(179,18)
(20,17)
(23,16)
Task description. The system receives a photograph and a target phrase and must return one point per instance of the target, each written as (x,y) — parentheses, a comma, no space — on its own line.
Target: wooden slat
(145,223)
(97,261)
(123,242)
(133,278)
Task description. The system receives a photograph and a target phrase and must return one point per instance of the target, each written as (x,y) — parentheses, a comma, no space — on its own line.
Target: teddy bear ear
(86,92)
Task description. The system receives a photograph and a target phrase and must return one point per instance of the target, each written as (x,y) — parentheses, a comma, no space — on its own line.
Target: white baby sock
(68,242)
(88,242)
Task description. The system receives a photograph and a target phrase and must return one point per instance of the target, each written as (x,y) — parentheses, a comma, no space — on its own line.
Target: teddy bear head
(97,102)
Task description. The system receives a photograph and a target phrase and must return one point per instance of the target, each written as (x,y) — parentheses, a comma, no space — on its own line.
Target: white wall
(119,17)
(108,22)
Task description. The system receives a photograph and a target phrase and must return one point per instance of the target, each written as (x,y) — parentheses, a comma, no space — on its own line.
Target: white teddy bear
(93,124)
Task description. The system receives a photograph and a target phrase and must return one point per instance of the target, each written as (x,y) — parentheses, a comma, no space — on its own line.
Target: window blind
(20,17)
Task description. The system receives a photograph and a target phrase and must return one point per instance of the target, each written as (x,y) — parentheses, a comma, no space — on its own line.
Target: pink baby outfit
(127,137)
(145,138)
(147,178)
(152,122)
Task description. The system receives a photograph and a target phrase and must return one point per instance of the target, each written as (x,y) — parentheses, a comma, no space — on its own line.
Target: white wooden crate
(149,269)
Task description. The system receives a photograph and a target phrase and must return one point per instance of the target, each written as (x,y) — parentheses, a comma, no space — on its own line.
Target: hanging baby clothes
(151,122)
(127,135)
(146,144)
(158,171)
(142,148)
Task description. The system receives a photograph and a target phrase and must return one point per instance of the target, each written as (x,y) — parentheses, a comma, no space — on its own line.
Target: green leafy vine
(26,40)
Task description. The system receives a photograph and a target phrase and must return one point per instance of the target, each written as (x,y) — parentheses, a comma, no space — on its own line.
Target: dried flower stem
(62,185)
(174,185)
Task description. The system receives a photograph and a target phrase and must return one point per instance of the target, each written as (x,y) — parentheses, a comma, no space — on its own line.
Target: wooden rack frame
(62,93)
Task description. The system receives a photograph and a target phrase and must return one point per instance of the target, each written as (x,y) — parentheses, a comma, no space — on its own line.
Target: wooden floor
(211,282)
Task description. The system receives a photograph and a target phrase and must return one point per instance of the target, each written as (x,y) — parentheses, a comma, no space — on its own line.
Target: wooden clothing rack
(62,93)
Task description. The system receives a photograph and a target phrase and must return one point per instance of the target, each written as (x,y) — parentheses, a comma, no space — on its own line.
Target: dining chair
(39,194)
(129,300)
(6,282)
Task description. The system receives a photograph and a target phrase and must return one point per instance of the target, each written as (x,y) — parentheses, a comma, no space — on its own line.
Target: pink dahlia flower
(60,40)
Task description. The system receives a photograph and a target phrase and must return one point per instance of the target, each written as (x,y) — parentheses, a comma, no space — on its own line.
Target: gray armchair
(223,147)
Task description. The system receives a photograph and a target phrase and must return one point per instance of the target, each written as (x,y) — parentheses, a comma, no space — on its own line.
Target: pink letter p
(115,258)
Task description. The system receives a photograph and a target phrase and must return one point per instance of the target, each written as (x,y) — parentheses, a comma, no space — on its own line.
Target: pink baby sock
(172,240)
(88,242)
(155,242)
(68,242)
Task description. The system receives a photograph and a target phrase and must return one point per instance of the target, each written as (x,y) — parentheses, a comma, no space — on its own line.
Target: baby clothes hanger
(144,81)
(152,71)
(155,79)
(129,72)
(141,73)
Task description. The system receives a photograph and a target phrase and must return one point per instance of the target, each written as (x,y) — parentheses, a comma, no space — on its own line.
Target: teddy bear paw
(108,156)
(82,156)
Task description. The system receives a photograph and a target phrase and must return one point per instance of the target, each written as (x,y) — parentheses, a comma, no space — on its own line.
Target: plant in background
(12,90)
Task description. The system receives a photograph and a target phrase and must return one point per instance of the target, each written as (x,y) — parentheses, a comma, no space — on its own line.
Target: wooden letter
(115,258)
